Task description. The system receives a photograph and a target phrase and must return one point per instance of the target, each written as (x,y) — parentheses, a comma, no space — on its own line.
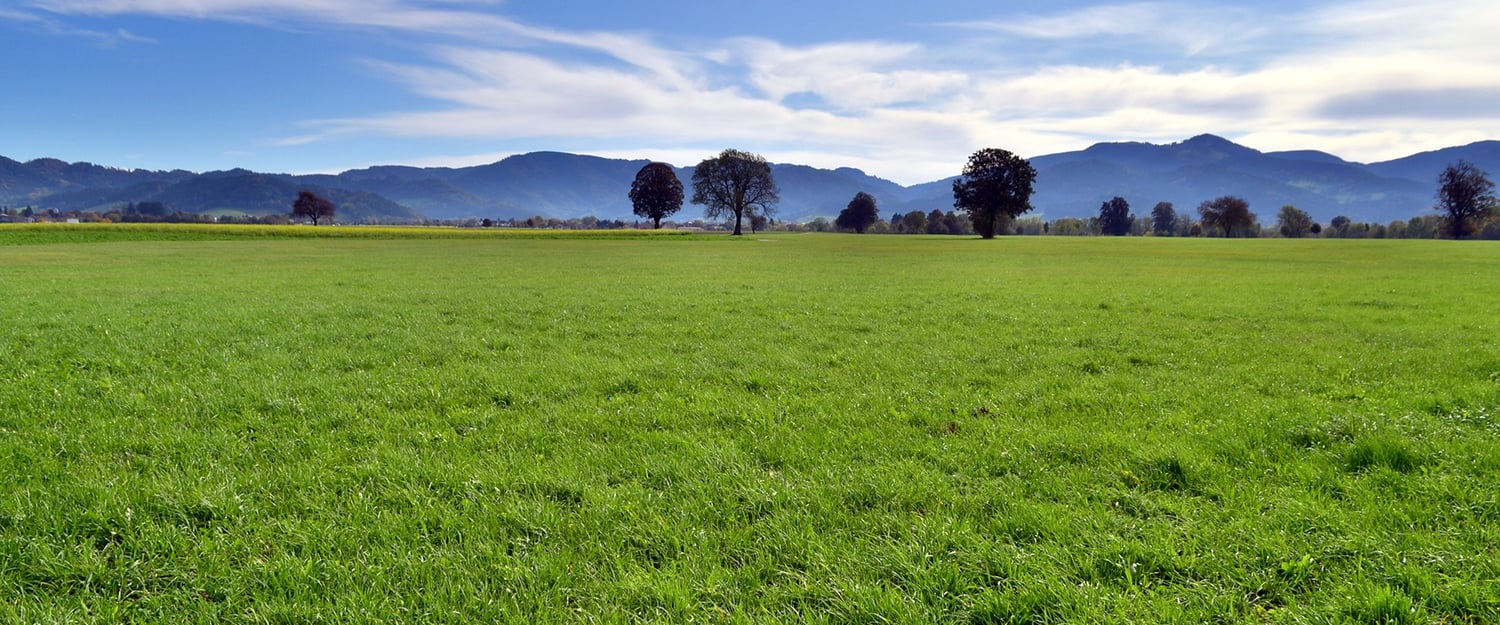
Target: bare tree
(735,182)
(1466,196)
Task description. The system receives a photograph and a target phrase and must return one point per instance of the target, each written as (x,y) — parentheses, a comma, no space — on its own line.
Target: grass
(50,233)
(803,428)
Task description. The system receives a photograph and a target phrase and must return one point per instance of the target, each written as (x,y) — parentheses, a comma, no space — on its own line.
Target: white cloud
(1190,28)
(848,76)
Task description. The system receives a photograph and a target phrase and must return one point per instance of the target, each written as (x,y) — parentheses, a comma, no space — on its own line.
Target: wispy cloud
(49,24)
(1191,29)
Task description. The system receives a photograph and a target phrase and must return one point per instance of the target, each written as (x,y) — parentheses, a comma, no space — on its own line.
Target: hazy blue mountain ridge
(555,184)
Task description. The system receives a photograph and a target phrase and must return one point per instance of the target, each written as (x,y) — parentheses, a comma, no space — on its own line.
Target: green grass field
(788,428)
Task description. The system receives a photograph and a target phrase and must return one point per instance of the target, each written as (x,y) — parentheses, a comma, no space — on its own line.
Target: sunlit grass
(43,233)
(786,428)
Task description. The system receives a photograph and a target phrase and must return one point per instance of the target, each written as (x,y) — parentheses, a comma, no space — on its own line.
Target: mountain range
(553,184)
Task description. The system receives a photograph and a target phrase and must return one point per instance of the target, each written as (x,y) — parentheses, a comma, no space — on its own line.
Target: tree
(310,206)
(735,182)
(1293,222)
(1228,214)
(1417,228)
(859,215)
(1163,219)
(656,193)
(996,185)
(1466,196)
(1339,226)
(935,222)
(914,222)
(1114,217)
(757,221)
(953,224)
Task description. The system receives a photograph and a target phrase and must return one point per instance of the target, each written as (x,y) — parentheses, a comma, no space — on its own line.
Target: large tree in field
(996,186)
(1293,222)
(1466,196)
(737,183)
(1229,215)
(310,206)
(1163,219)
(656,193)
(859,215)
(1114,217)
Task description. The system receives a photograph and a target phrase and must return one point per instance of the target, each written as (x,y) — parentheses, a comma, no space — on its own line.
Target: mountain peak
(1212,148)
(1208,141)
(1314,156)
(1207,138)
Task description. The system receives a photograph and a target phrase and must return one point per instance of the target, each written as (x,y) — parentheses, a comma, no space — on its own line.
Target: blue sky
(903,90)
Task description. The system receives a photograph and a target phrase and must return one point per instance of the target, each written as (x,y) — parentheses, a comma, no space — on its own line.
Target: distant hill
(237,191)
(555,184)
(1426,166)
(1206,166)
(34,181)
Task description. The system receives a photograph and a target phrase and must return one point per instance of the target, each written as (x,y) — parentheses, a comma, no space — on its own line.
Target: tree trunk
(656,223)
(737,215)
(987,228)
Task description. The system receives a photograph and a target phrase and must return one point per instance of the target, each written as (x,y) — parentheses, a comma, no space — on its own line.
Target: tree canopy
(1229,215)
(995,184)
(935,223)
(310,205)
(859,215)
(656,193)
(1114,217)
(1293,222)
(1465,197)
(1163,219)
(737,183)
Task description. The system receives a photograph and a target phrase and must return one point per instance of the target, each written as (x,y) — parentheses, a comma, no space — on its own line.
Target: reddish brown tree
(311,206)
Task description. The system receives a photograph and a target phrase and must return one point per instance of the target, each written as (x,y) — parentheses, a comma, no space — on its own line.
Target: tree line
(995,190)
(1164,221)
(990,198)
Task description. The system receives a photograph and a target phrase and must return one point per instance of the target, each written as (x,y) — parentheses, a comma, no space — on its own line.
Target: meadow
(199,426)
